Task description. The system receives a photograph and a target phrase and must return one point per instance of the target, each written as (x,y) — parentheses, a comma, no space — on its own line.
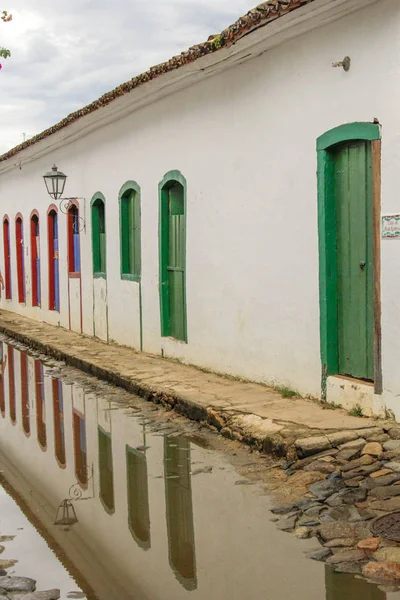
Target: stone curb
(280,441)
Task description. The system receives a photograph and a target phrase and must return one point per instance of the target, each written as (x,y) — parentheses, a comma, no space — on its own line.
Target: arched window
(99,235)
(19,244)
(74,249)
(59,429)
(80,448)
(129,218)
(138,496)
(11,385)
(106,471)
(26,426)
(35,260)
(54,283)
(179,510)
(172,248)
(7,256)
(40,406)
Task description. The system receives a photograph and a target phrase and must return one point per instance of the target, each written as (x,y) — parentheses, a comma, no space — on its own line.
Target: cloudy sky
(66,54)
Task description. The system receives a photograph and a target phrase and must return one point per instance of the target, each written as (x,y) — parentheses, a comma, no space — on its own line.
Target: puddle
(146,507)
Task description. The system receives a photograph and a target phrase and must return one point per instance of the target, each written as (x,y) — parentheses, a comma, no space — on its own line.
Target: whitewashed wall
(245,140)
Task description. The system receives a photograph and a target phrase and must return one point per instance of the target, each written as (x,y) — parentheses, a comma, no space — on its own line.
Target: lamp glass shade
(55,182)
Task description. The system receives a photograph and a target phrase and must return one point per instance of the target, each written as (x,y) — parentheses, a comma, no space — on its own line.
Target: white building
(229,206)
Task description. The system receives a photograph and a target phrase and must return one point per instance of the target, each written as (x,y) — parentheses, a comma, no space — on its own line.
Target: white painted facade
(243,133)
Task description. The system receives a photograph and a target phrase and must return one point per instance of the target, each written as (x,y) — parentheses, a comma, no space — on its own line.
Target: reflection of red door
(19,241)
(40,405)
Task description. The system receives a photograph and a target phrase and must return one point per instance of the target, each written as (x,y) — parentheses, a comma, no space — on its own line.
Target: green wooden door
(353,192)
(176,262)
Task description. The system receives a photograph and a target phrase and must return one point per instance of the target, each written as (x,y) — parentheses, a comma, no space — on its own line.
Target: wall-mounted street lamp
(55,184)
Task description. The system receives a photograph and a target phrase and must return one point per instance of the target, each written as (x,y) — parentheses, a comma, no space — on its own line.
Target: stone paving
(353,482)
(243,411)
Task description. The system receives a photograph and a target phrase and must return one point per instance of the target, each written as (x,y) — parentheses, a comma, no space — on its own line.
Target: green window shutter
(95,239)
(98,236)
(125,237)
(136,263)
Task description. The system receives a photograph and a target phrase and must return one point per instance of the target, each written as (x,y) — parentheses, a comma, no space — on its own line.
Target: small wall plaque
(391,227)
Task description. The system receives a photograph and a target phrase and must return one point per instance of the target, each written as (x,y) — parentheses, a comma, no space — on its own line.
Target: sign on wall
(391,227)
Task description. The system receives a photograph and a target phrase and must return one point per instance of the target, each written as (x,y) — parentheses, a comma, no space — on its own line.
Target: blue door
(56,269)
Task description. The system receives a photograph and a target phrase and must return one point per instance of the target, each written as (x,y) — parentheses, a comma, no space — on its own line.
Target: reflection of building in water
(59,432)
(345,586)
(80,450)
(106,471)
(138,496)
(11,385)
(25,408)
(178,494)
(40,405)
(3,360)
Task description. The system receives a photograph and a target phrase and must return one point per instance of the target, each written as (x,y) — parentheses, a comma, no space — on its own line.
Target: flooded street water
(136,503)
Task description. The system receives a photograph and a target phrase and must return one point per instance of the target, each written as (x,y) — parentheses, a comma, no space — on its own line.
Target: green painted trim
(166,182)
(141,315)
(128,186)
(95,241)
(128,277)
(349,132)
(99,275)
(327,238)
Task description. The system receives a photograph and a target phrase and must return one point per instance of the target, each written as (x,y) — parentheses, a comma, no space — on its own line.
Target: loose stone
(17,584)
(314,511)
(354,482)
(359,462)
(394,466)
(341,543)
(347,496)
(284,509)
(381,473)
(384,492)
(373,449)
(387,555)
(307,503)
(369,545)
(312,445)
(366,470)
(331,531)
(394,432)
(342,437)
(346,556)
(349,514)
(306,521)
(348,567)
(386,505)
(6,564)
(392,445)
(357,444)
(369,432)
(348,454)
(300,464)
(321,467)
(383,437)
(288,523)
(371,483)
(46,595)
(320,555)
(302,533)
(324,489)
(382,570)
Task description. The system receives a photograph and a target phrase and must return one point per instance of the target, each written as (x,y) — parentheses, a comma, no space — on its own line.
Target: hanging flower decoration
(4,52)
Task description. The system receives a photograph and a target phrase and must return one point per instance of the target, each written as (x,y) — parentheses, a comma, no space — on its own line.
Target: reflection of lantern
(66,514)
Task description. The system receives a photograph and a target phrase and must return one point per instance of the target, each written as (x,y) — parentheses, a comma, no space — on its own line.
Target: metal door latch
(362,265)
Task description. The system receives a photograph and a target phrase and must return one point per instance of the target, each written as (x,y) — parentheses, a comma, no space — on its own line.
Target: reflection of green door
(106,471)
(353,191)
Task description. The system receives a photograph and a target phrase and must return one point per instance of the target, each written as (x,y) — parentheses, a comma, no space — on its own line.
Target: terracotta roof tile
(261,15)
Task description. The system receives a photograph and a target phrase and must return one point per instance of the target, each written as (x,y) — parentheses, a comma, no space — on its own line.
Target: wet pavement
(147,504)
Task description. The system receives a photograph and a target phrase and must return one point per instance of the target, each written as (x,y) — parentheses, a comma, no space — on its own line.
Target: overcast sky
(66,54)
